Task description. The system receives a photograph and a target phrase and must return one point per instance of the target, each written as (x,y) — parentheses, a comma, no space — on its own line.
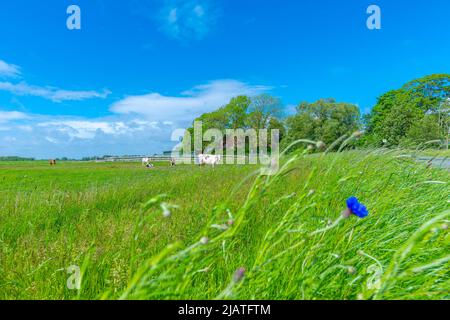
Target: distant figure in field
(208,159)
(149,165)
(145,161)
(173,162)
(52,162)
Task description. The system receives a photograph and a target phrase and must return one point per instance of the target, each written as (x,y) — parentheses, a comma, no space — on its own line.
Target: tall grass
(293,243)
(85,214)
(233,232)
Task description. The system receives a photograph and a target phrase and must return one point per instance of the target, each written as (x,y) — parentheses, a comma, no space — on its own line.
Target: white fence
(187,159)
(135,159)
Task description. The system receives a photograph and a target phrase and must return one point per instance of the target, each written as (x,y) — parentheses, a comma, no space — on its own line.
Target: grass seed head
(239,274)
(320,145)
(358,134)
(351,270)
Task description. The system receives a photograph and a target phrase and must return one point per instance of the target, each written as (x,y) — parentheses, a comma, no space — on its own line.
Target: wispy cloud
(141,124)
(186,20)
(45,136)
(8,70)
(89,129)
(6,116)
(50,93)
(189,104)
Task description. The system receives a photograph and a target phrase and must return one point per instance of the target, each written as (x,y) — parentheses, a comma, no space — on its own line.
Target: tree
(236,112)
(444,121)
(231,116)
(424,130)
(242,112)
(324,120)
(263,108)
(398,116)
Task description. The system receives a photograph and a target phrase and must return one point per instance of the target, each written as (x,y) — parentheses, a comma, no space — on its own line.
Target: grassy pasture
(50,216)
(285,230)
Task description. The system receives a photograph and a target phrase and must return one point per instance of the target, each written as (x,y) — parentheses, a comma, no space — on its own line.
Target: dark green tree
(413,114)
(262,110)
(242,112)
(324,120)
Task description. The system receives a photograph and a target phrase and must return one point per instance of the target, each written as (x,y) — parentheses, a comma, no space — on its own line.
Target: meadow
(229,232)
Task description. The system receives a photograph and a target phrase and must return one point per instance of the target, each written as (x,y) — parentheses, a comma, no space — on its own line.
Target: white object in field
(208,159)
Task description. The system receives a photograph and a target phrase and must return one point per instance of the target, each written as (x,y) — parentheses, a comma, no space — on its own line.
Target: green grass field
(285,230)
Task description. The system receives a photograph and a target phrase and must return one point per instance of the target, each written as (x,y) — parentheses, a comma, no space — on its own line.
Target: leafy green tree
(444,122)
(236,112)
(399,115)
(277,124)
(242,112)
(263,109)
(231,116)
(324,120)
(424,130)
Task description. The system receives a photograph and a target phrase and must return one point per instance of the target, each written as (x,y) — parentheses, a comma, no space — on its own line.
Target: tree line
(15,158)
(415,114)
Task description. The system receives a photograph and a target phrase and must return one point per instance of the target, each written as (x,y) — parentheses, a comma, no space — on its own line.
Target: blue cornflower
(356,208)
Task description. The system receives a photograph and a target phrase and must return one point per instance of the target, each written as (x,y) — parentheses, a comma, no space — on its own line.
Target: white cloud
(57,136)
(189,105)
(47,92)
(185,20)
(50,93)
(199,11)
(89,129)
(142,124)
(51,140)
(6,116)
(9,139)
(9,70)
(85,129)
(26,128)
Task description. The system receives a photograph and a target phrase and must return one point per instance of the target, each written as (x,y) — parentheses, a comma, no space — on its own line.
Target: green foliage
(324,120)
(242,112)
(405,116)
(14,158)
(417,113)
(231,116)
(422,131)
(263,109)
(277,124)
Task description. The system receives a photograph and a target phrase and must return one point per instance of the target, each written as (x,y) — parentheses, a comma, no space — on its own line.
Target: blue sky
(139,69)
